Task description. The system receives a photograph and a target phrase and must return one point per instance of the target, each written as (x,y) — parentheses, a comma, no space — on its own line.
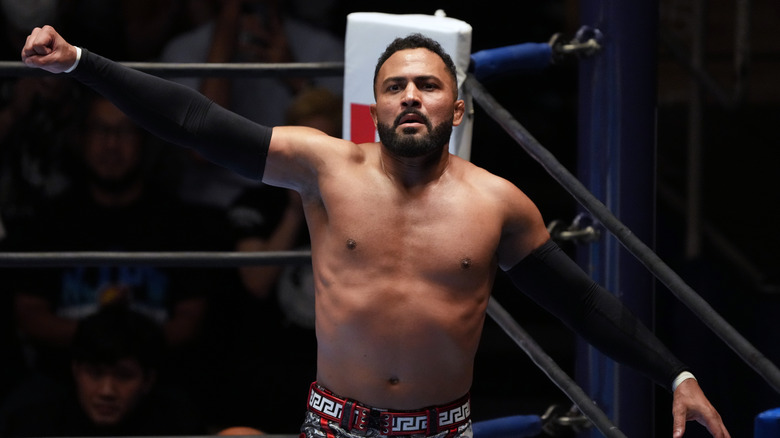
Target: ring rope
(763,366)
(205,69)
(552,370)
(213,259)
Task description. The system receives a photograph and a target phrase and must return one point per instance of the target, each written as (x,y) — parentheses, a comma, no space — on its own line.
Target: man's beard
(409,145)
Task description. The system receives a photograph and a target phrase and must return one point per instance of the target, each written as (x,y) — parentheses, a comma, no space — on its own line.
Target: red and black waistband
(351,415)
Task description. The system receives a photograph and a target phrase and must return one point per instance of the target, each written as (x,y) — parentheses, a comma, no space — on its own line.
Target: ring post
(616,159)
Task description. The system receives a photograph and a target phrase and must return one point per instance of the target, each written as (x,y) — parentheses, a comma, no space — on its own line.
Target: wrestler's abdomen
(395,349)
(400,304)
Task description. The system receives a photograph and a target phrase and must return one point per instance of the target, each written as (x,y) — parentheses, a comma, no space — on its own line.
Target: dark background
(739,188)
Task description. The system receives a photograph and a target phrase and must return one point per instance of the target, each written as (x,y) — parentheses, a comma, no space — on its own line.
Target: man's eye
(125,375)
(94,371)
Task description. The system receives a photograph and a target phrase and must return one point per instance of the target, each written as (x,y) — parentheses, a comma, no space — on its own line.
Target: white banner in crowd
(368,34)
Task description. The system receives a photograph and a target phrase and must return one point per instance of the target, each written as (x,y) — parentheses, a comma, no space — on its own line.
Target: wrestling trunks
(353,416)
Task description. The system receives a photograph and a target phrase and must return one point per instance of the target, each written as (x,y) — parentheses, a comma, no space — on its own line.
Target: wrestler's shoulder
(314,139)
(481,177)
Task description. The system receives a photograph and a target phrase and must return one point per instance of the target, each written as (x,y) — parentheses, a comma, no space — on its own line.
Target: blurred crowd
(141,349)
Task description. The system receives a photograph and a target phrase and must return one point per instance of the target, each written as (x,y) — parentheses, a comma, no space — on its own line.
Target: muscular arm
(558,284)
(171,111)
(538,267)
(179,115)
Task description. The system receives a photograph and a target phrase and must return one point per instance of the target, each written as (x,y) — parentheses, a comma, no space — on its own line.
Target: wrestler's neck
(415,172)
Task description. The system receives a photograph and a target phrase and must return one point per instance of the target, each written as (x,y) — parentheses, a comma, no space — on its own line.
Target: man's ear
(460,109)
(372,110)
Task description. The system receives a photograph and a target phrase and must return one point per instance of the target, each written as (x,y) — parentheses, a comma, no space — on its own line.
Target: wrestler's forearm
(558,284)
(179,114)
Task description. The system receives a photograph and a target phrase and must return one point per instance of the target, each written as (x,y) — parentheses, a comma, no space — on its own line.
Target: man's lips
(106,409)
(411,118)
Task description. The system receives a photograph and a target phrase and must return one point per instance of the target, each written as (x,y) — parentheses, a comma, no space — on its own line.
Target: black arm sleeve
(179,114)
(555,282)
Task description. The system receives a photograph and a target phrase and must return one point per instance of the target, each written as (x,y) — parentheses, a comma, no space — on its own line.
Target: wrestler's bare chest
(441,234)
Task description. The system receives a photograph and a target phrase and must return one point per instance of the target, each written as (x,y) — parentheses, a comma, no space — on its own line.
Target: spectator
(279,299)
(257,208)
(117,207)
(324,14)
(37,116)
(248,31)
(19,15)
(254,31)
(135,30)
(115,358)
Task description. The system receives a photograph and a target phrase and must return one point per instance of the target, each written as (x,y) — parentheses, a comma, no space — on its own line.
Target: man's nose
(411,95)
(112,140)
(107,387)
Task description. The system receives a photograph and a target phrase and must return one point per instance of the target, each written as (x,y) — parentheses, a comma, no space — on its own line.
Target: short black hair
(115,333)
(416,41)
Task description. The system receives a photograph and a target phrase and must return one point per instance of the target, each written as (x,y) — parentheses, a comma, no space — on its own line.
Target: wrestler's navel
(351,244)
(465,263)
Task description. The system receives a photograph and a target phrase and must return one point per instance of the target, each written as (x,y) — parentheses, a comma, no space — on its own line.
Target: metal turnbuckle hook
(557,421)
(586,42)
(581,230)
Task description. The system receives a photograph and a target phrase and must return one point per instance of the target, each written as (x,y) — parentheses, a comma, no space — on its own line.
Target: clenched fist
(47,50)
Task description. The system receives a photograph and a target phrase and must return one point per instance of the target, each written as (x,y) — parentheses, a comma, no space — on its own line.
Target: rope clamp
(586,43)
(581,230)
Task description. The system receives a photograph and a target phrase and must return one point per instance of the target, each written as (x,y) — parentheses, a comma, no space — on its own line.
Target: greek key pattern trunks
(351,415)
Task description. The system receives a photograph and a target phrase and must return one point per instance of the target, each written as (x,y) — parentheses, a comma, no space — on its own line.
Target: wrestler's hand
(691,404)
(46,49)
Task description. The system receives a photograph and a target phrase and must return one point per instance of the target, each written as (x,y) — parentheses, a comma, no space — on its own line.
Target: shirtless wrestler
(406,239)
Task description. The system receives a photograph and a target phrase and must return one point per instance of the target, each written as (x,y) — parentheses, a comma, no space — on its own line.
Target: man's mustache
(415,112)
